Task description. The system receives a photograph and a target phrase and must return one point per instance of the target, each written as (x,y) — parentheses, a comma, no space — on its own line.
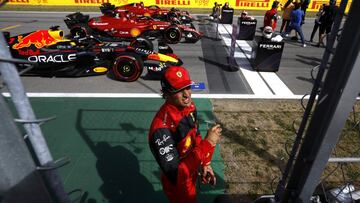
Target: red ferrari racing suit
(178,148)
(270,18)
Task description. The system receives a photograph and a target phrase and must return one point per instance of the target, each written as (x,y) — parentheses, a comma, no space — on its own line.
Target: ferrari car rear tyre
(172,35)
(142,43)
(127,67)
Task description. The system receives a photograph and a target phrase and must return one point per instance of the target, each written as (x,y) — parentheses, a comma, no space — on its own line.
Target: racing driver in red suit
(175,140)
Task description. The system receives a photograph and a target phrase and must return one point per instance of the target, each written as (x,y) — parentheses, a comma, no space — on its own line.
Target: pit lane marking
(10,27)
(155,95)
(260,82)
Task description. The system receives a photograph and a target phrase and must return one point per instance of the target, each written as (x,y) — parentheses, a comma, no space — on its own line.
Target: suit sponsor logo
(166,149)
(169,157)
(160,142)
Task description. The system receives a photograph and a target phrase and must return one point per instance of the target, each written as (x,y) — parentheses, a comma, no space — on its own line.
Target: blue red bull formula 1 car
(53,55)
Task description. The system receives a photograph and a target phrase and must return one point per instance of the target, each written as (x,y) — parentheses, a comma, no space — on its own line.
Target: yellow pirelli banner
(236,4)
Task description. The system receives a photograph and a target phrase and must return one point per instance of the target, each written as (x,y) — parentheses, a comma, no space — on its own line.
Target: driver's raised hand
(214,134)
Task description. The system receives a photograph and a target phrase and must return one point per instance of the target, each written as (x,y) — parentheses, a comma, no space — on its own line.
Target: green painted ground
(106,140)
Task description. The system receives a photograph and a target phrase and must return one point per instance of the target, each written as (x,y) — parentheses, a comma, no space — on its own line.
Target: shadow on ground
(122,154)
(117,167)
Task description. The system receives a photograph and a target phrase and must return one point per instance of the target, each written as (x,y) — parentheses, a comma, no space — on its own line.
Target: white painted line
(277,86)
(257,85)
(90,95)
(152,95)
(222,29)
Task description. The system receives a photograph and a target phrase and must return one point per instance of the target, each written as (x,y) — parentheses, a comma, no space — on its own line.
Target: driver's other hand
(214,134)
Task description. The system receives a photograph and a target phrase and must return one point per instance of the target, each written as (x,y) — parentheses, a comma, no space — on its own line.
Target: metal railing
(31,124)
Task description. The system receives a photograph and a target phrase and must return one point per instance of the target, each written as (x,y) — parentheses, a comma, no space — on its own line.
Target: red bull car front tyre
(127,67)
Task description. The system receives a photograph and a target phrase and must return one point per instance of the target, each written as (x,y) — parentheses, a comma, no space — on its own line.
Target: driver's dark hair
(275,4)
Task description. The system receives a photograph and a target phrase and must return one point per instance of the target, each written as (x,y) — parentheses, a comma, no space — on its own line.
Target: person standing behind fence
(295,23)
(327,20)
(304,6)
(270,18)
(226,6)
(287,8)
(317,22)
(215,11)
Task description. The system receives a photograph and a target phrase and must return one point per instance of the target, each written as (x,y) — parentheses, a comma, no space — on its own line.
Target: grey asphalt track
(206,61)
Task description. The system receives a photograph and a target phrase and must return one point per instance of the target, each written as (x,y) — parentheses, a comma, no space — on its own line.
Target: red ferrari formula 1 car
(55,56)
(151,11)
(121,26)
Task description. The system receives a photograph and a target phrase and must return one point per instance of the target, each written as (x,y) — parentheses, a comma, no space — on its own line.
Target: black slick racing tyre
(172,35)
(171,15)
(79,31)
(127,67)
(142,43)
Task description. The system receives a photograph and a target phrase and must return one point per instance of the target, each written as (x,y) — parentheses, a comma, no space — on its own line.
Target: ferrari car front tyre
(173,35)
(171,15)
(127,67)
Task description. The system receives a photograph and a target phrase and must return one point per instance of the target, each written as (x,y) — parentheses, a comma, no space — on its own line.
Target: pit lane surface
(206,61)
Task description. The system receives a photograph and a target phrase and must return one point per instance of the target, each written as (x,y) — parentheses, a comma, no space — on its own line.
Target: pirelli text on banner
(236,4)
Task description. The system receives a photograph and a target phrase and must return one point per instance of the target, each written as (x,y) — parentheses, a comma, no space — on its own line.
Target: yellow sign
(236,4)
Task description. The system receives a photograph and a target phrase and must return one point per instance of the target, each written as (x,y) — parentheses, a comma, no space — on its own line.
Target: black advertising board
(227,16)
(268,56)
(247,29)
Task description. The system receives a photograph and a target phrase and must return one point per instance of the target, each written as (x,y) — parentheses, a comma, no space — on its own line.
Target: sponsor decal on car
(96,23)
(52,58)
(145,51)
(134,32)
(100,69)
(123,32)
(39,38)
(17,1)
